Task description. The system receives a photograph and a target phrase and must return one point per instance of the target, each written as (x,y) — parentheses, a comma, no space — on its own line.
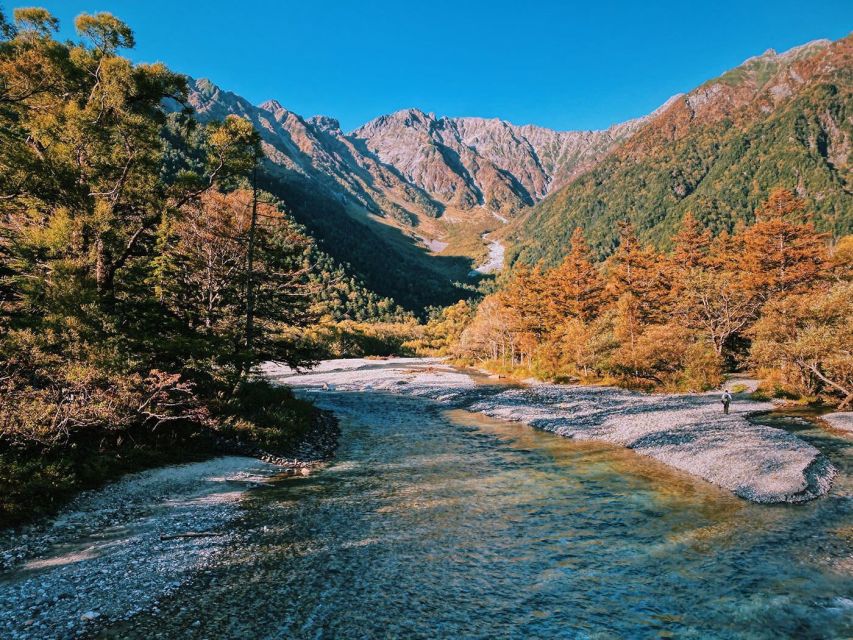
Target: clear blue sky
(565,65)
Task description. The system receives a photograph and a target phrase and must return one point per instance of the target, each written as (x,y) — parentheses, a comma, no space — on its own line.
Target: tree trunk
(100,265)
(846,393)
(250,265)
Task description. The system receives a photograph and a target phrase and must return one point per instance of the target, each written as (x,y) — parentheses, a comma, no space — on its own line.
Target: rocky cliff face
(410,167)
(361,211)
(476,162)
(313,149)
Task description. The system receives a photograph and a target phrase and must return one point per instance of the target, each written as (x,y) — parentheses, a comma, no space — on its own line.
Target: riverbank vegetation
(142,273)
(774,297)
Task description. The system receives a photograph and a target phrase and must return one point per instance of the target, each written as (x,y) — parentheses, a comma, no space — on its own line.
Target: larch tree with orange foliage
(637,280)
(575,289)
(808,339)
(782,252)
(691,244)
(640,271)
(525,295)
(673,321)
(708,295)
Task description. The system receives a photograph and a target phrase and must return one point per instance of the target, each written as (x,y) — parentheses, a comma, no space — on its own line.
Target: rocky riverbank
(126,547)
(841,420)
(686,431)
(317,446)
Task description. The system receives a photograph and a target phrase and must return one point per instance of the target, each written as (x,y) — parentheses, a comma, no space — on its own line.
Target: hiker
(727,398)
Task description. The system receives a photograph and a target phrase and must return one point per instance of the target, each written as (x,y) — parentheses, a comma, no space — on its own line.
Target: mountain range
(407,198)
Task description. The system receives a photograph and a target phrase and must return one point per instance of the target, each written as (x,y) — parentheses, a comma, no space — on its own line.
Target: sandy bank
(688,432)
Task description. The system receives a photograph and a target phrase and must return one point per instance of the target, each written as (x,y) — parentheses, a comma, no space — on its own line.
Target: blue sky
(565,65)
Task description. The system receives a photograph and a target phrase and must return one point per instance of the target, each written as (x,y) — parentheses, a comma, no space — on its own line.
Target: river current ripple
(436,523)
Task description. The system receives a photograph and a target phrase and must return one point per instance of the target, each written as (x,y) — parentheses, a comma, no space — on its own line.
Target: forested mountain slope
(776,120)
(388,197)
(306,169)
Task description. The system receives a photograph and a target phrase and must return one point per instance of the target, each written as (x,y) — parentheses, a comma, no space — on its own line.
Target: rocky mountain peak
(468,162)
(271,106)
(325,123)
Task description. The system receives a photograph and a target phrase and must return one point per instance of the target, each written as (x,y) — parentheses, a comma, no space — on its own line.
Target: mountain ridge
(439,184)
(717,151)
(461,162)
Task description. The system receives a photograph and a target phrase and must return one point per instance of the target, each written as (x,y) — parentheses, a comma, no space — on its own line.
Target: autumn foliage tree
(200,275)
(575,289)
(782,252)
(93,334)
(808,339)
(761,296)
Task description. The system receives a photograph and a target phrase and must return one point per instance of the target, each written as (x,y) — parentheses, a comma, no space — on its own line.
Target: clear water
(446,524)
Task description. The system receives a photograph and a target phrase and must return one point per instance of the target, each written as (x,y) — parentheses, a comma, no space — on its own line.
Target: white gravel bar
(686,431)
(104,556)
(842,420)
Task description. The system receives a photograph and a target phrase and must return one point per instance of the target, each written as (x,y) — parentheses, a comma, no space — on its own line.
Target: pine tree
(692,244)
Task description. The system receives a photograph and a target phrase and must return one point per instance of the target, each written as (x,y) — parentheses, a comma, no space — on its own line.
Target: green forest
(720,170)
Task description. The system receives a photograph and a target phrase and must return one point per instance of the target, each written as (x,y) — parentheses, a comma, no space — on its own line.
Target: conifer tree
(781,253)
(575,288)
(691,244)
(525,294)
(808,338)
(641,272)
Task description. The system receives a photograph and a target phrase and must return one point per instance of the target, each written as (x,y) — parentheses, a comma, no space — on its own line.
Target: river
(434,521)
(441,523)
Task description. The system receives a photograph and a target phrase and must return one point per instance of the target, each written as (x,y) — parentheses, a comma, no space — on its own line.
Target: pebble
(685,431)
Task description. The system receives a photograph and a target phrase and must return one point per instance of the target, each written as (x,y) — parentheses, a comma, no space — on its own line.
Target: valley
(409,374)
(714,151)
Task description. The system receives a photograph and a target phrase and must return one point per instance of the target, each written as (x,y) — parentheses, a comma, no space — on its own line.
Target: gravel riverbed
(105,556)
(127,547)
(686,431)
(122,552)
(841,420)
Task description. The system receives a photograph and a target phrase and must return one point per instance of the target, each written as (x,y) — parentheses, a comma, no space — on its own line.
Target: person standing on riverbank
(727,399)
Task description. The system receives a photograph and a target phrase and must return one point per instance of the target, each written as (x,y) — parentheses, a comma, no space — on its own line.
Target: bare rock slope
(478,162)
(410,166)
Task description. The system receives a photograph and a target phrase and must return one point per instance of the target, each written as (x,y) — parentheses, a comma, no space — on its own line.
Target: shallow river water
(437,523)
